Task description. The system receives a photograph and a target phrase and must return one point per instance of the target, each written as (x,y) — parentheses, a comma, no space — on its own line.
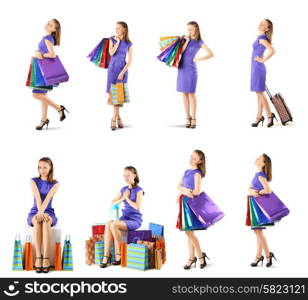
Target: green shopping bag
(172,56)
(67,256)
(17,256)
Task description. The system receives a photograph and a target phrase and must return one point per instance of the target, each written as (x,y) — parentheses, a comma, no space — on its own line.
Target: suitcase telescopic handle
(268,92)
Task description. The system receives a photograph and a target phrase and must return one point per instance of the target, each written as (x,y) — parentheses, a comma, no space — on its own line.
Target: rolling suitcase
(280,106)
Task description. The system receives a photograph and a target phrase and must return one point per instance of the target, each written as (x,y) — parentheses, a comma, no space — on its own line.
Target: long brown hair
(134,171)
(196,25)
(267,168)
(269,31)
(126,34)
(57,34)
(201,164)
(50,174)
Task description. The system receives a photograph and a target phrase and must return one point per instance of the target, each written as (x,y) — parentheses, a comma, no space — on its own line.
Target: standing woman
(259,186)
(187,71)
(190,186)
(131,218)
(42,216)
(46,50)
(119,47)
(258,70)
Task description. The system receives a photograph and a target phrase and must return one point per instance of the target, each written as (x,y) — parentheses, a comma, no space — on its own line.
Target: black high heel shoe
(193,126)
(188,123)
(46,269)
(117,262)
(192,262)
(270,259)
(258,120)
(43,123)
(204,261)
(258,259)
(271,123)
(63,116)
(38,269)
(104,265)
(113,124)
(120,123)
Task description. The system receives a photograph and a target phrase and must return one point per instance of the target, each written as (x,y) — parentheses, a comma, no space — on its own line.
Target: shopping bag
(151,248)
(119,93)
(161,244)
(114,212)
(123,247)
(205,209)
(261,218)
(158,258)
(28,254)
(100,54)
(29,75)
(179,220)
(157,230)
(137,256)
(166,41)
(99,252)
(133,236)
(67,256)
(248,220)
(90,248)
(58,258)
(272,206)
(17,255)
(98,229)
(52,70)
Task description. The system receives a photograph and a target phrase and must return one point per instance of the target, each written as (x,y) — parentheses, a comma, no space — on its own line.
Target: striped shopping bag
(17,256)
(119,93)
(67,255)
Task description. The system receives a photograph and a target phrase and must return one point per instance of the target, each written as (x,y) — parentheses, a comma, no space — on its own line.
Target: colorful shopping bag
(158,258)
(67,256)
(90,248)
(157,230)
(123,247)
(119,93)
(99,252)
(28,254)
(17,255)
(100,54)
(206,211)
(179,219)
(137,256)
(261,218)
(98,229)
(114,213)
(248,219)
(161,244)
(151,248)
(58,252)
(133,236)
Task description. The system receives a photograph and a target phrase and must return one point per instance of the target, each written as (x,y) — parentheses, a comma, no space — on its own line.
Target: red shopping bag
(248,221)
(179,220)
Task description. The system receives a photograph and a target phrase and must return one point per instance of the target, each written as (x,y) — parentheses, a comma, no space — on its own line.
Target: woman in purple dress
(187,71)
(190,186)
(42,215)
(131,218)
(258,70)
(119,47)
(259,186)
(46,50)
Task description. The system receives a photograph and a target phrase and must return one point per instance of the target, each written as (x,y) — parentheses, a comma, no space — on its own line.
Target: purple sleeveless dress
(187,71)
(258,70)
(43,49)
(44,186)
(117,63)
(130,215)
(257,185)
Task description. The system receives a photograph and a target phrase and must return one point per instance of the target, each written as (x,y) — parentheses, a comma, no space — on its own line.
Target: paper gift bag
(151,247)
(137,256)
(58,252)
(261,218)
(119,93)
(28,254)
(52,70)
(179,219)
(205,209)
(100,54)
(17,255)
(67,256)
(90,248)
(99,252)
(133,236)
(114,213)
(272,206)
(158,258)
(123,247)
(156,229)
(248,222)
(98,229)
(161,244)
(167,41)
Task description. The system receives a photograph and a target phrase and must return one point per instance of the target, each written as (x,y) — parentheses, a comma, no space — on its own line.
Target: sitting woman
(131,195)
(42,216)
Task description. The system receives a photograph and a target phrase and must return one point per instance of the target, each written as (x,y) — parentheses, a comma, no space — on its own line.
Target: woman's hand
(46,218)
(39,217)
(117,38)
(187,38)
(38,55)
(120,76)
(254,193)
(259,59)
(188,193)
(126,194)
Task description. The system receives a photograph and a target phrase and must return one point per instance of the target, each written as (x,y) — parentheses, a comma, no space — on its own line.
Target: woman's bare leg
(46,241)
(195,242)
(258,233)
(44,111)
(116,228)
(193,105)
(264,245)
(265,105)
(107,239)
(37,232)
(186,105)
(43,98)
(260,106)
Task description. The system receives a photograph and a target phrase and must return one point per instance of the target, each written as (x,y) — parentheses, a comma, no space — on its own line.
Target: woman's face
(194,159)
(120,30)
(129,177)
(260,161)
(43,168)
(191,30)
(263,26)
(50,26)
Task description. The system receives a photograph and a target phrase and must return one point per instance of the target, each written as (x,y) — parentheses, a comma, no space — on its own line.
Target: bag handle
(268,92)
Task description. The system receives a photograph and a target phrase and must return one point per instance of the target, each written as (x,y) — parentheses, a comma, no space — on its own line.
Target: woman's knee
(189,233)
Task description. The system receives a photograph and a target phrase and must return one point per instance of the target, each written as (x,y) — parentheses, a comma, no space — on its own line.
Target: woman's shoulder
(138,188)
(261,173)
(50,38)
(262,37)
(124,188)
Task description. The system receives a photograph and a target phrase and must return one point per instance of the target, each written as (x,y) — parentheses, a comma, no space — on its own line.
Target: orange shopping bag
(28,254)
(123,246)
(58,259)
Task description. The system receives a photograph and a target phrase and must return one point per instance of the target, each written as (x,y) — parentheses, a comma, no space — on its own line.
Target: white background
(89,158)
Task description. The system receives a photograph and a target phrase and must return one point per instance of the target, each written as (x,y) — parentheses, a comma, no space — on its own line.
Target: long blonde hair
(269,31)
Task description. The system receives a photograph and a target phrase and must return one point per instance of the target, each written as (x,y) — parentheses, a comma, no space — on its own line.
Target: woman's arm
(185,191)
(253,192)
(209,55)
(137,204)
(185,44)
(118,199)
(36,194)
(266,188)
(197,190)
(114,48)
(51,52)
(269,47)
(129,61)
(50,194)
